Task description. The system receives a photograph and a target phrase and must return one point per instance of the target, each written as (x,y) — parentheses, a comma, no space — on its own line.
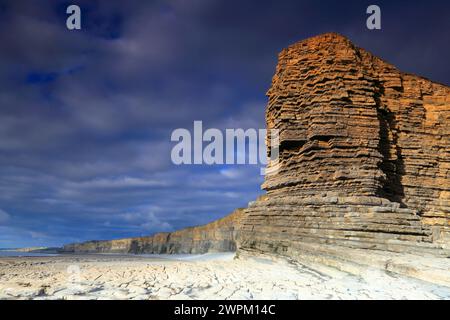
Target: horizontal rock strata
(364,158)
(363,175)
(217,236)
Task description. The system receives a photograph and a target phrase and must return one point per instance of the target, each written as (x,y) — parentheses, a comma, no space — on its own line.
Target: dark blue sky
(86,116)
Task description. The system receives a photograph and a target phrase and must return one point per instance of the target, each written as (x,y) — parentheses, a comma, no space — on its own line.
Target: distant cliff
(217,236)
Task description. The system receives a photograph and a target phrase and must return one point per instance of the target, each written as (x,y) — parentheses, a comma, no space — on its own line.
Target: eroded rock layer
(217,236)
(364,156)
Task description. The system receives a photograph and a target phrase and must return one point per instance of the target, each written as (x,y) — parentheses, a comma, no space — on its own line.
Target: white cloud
(122,182)
(3,216)
(38,235)
(232,173)
(232,194)
(146,220)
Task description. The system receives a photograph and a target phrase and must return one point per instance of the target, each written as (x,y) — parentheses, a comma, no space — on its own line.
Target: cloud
(119,183)
(147,220)
(231,173)
(38,235)
(4,216)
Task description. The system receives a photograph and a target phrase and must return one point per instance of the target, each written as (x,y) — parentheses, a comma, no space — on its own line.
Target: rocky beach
(209,276)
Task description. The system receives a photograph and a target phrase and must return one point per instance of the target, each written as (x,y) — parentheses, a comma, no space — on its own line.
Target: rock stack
(364,158)
(363,175)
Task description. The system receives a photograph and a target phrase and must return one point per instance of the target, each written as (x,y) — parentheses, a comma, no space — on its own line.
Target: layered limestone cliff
(363,175)
(364,158)
(217,236)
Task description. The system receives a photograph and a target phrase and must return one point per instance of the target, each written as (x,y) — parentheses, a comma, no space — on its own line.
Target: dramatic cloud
(86,116)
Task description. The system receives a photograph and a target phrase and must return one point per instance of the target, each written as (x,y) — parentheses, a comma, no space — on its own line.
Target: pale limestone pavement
(214,276)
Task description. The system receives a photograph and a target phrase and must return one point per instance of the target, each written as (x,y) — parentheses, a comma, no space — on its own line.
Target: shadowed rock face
(364,156)
(217,236)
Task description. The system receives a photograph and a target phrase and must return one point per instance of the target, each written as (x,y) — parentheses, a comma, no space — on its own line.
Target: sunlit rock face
(364,156)
(217,236)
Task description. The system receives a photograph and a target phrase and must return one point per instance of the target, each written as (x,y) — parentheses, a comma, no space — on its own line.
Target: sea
(11,253)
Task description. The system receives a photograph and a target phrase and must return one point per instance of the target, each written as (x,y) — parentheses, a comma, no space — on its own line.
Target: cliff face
(364,156)
(217,236)
(364,164)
